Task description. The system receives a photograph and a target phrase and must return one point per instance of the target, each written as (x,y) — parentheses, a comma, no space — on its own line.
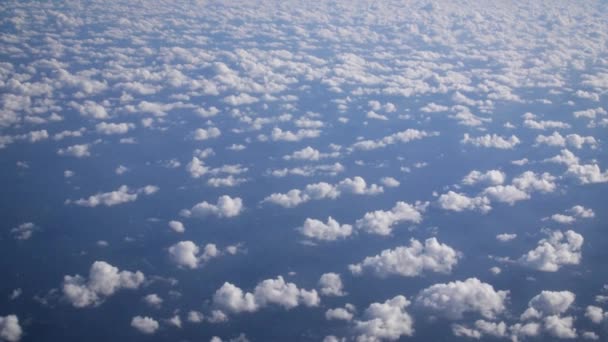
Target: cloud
(10,330)
(505,237)
(309,153)
(187,254)
(104,280)
(390,182)
(382,222)
(356,185)
(548,303)
(342,314)
(331,285)
(232,299)
(410,261)
(177,226)
(280,135)
(24,231)
(145,325)
(595,314)
(225,207)
(209,133)
(530,181)
(385,321)
(113,128)
(454,299)
(460,202)
(119,196)
(332,230)
(400,137)
(493,141)
(153,300)
(78,151)
(491,177)
(555,251)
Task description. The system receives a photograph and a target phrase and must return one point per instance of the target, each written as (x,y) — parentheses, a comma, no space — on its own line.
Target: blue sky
(294,171)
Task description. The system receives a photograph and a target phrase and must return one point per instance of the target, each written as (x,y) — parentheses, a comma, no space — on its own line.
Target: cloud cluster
(103,281)
(119,196)
(555,251)
(385,321)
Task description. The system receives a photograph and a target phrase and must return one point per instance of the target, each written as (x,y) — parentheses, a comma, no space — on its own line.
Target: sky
(303,171)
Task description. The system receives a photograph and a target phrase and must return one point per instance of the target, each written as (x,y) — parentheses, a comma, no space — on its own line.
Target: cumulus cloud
(390,182)
(113,128)
(459,202)
(232,299)
(119,196)
(225,207)
(343,314)
(24,231)
(454,299)
(356,185)
(78,151)
(145,325)
(280,135)
(318,230)
(400,137)
(491,177)
(104,280)
(385,321)
(411,261)
(10,330)
(209,133)
(187,254)
(555,251)
(491,141)
(177,226)
(382,222)
(331,285)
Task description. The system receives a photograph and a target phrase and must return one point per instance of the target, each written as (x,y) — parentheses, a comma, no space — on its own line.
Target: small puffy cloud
(493,141)
(400,137)
(545,124)
(331,285)
(10,330)
(482,328)
(564,157)
(225,207)
(456,298)
(410,261)
(555,251)
(390,182)
(332,230)
(153,300)
(188,254)
(280,135)
(343,314)
(307,153)
(491,177)
(548,303)
(595,314)
(560,327)
(119,196)
(209,133)
(505,237)
(459,202)
(580,211)
(232,299)
(196,168)
(113,128)
(530,181)
(24,231)
(356,185)
(588,173)
(104,280)
(382,222)
(78,151)
(177,226)
(385,321)
(145,325)
(506,194)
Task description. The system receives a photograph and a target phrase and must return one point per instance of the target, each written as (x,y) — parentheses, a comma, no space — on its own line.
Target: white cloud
(280,135)
(24,231)
(113,128)
(209,133)
(177,226)
(188,254)
(10,330)
(104,280)
(196,168)
(505,237)
(78,151)
(555,251)
(119,196)
(560,327)
(530,181)
(456,298)
(545,124)
(588,174)
(595,314)
(268,292)
(491,177)
(385,321)
(322,190)
(331,285)
(153,300)
(493,141)
(382,222)
(400,137)
(460,202)
(548,303)
(342,314)
(390,182)
(225,207)
(145,325)
(410,261)
(332,230)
